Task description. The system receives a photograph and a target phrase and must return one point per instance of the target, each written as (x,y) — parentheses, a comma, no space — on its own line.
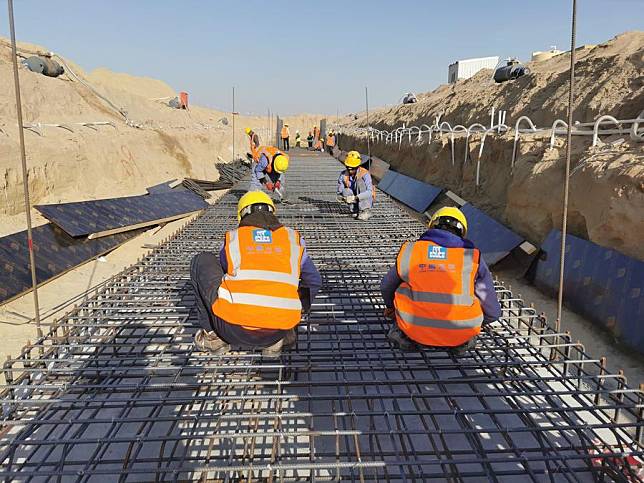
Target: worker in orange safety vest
(253,139)
(285,135)
(253,293)
(440,291)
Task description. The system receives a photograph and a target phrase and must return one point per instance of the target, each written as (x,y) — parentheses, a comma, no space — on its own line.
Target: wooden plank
(144,224)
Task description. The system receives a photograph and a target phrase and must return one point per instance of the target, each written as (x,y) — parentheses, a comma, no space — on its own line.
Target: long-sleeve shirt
(259,171)
(353,186)
(483,284)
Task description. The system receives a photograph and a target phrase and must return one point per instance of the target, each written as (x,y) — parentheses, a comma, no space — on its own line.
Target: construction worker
(309,140)
(253,138)
(440,291)
(330,142)
(316,133)
(268,172)
(285,135)
(355,187)
(298,139)
(252,294)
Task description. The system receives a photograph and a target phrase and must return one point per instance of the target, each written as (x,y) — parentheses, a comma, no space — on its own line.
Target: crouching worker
(268,171)
(355,187)
(253,293)
(440,291)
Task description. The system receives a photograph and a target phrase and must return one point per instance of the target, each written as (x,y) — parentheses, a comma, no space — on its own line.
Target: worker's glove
(340,198)
(389,313)
(270,186)
(350,199)
(278,185)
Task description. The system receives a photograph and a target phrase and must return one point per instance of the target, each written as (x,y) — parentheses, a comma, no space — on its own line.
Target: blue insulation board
(85,217)
(494,240)
(601,284)
(410,191)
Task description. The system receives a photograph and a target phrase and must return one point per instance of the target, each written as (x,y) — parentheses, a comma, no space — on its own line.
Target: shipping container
(466,68)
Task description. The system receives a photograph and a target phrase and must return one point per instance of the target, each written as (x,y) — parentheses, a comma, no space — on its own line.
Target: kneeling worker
(252,294)
(355,187)
(440,290)
(268,171)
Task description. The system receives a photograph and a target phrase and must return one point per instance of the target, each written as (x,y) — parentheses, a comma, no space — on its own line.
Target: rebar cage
(117,391)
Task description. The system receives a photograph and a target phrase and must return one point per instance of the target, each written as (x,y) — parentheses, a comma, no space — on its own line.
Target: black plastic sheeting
(85,217)
(55,252)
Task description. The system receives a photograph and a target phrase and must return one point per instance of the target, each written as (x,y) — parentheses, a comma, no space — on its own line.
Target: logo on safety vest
(262,236)
(437,253)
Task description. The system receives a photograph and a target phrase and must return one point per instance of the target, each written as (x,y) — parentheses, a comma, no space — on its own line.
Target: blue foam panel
(410,191)
(494,240)
(599,283)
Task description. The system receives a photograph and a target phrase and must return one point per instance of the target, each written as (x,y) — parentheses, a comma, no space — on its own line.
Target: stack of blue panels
(494,240)
(410,191)
(601,284)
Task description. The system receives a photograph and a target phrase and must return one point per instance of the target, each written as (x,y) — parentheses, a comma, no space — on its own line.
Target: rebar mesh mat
(116,390)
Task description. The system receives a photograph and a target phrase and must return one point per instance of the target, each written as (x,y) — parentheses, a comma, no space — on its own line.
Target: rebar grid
(116,389)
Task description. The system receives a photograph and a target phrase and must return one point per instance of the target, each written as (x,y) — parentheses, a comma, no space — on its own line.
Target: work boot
(364,215)
(209,341)
(290,339)
(400,340)
(274,350)
(460,350)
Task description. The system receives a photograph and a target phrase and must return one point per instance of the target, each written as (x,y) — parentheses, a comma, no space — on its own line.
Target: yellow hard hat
(247,130)
(253,198)
(280,163)
(450,212)
(353,159)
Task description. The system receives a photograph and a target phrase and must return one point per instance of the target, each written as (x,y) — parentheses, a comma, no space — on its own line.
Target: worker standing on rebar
(298,139)
(253,294)
(330,142)
(253,138)
(440,291)
(309,140)
(285,135)
(268,172)
(355,187)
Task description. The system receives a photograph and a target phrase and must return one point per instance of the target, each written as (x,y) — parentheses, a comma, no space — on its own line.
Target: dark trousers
(205,275)
(286,144)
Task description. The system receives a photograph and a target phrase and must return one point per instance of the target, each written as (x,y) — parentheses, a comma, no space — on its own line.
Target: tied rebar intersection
(116,391)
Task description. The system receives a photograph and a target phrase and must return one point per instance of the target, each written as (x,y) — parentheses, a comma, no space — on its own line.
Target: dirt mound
(76,162)
(607,183)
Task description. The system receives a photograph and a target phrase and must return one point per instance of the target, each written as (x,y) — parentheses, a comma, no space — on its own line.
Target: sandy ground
(607,188)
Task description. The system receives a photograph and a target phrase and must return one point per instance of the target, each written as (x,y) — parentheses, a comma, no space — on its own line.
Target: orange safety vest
(285,132)
(259,289)
(359,174)
(330,140)
(270,152)
(435,303)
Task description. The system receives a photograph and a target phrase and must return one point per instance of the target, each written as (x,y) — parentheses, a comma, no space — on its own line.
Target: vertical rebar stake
(366,100)
(564,223)
(234,173)
(25,179)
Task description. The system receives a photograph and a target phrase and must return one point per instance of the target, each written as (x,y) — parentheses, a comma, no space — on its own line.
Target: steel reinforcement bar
(117,390)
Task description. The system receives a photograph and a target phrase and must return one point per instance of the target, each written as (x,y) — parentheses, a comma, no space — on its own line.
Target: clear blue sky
(306,56)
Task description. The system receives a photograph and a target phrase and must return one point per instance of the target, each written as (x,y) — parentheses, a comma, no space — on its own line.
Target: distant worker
(254,141)
(355,187)
(330,142)
(285,135)
(298,139)
(252,294)
(268,171)
(440,291)
(309,140)
(316,133)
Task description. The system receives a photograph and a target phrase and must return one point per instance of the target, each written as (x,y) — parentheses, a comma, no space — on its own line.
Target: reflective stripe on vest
(435,303)
(259,289)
